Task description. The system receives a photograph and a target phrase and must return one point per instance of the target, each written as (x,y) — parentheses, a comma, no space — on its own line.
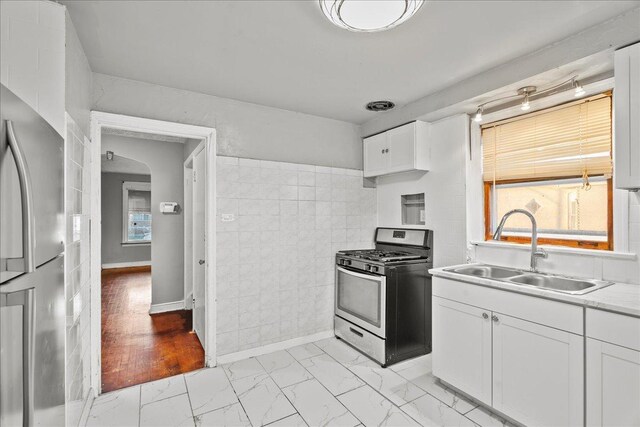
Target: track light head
(478,117)
(579,90)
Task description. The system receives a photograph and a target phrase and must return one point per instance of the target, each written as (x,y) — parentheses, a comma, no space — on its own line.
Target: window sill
(559,249)
(136,244)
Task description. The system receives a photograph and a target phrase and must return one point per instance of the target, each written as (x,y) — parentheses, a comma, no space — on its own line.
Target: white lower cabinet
(537,373)
(528,371)
(613,385)
(462,336)
(613,369)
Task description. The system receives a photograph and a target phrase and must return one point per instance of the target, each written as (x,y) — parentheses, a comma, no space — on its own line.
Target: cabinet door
(537,373)
(375,156)
(613,385)
(402,150)
(627,107)
(462,347)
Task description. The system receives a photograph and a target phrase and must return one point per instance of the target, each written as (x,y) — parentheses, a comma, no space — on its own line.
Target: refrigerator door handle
(28,219)
(26,299)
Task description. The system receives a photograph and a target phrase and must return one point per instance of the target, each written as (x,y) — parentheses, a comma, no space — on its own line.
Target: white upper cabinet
(400,149)
(375,160)
(627,117)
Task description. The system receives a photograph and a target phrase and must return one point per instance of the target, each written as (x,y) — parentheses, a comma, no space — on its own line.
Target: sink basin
(547,282)
(487,271)
(562,284)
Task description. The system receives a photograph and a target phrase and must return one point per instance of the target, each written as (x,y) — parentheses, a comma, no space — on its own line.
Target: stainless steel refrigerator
(32,302)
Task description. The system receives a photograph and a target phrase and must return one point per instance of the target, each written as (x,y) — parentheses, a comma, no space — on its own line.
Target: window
(556,164)
(136,212)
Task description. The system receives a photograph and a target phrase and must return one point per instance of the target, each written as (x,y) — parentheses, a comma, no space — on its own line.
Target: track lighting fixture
(525,94)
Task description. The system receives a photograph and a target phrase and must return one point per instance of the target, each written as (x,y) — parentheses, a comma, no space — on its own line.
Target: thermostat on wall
(169,207)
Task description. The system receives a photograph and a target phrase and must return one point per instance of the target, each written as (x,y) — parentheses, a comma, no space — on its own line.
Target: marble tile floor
(317,384)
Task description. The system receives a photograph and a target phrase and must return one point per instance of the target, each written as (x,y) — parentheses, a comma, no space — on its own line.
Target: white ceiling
(285,54)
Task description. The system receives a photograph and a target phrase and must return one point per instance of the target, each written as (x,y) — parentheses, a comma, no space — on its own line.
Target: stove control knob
(347,262)
(374,269)
(367,267)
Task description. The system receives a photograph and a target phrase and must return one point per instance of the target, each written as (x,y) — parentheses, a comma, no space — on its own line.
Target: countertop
(620,298)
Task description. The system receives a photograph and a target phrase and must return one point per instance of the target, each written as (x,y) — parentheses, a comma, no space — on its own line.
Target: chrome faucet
(535,252)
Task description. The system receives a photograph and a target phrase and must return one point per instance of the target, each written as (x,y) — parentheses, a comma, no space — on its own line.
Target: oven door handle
(362,275)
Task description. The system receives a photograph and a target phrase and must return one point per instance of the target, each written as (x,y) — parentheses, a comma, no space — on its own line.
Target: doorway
(142,324)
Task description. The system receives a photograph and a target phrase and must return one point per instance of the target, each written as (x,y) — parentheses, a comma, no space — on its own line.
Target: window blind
(566,141)
(139,201)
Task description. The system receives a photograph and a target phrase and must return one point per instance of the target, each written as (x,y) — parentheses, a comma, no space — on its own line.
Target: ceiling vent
(380,105)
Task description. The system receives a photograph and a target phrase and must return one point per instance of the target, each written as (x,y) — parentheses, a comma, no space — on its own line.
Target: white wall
(32,56)
(275,262)
(444,188)
(113,251)
(165,160)
(243,129)
(78,79)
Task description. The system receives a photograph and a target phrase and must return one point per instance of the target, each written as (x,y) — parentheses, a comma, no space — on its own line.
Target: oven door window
(360,296)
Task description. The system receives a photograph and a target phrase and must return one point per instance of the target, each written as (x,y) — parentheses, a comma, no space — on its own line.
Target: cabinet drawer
(566,317)
(613,328)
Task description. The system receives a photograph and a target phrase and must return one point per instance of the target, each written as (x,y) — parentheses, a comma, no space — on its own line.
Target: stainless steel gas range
(383,295)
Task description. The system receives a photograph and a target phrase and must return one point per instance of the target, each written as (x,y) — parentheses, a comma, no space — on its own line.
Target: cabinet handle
(495,318)
(485,316)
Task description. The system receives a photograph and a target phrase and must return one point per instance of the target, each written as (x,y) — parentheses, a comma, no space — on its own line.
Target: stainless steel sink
(549,282)
(487,271)
(574,286)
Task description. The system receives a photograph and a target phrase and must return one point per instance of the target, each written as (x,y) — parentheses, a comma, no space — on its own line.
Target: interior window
(556,164)
(136,212)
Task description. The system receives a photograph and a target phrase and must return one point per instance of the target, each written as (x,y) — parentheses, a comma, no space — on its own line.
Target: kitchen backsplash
(275,258)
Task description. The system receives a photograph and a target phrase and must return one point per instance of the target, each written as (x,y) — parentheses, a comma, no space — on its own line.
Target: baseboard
(188,302)
(166,306)
(88,403)
(126,264)
(270,348)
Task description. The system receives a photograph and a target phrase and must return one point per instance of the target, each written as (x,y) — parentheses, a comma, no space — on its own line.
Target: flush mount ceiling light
(380,105)
(369,15)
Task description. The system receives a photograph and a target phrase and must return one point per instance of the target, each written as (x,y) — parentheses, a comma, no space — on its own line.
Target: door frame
(99,121)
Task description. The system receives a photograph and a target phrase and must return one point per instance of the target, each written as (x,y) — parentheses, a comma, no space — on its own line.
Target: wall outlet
(228,217)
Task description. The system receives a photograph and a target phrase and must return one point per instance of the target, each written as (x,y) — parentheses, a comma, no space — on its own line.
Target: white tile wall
(77,270)
(32,56)
(275,261)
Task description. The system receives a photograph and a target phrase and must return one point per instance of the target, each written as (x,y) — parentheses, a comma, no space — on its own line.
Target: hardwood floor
(138,347)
